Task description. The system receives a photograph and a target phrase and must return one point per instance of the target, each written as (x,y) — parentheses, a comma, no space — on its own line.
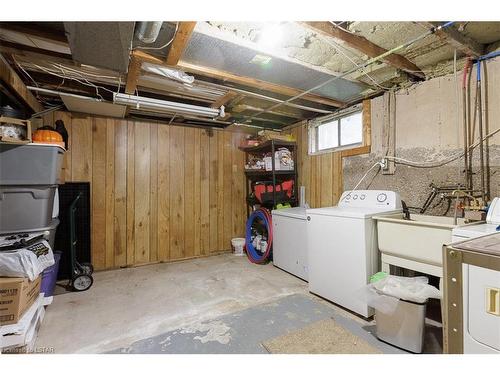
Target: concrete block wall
(429,127)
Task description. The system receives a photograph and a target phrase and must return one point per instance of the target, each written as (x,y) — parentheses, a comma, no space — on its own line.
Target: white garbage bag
(414,289)
(384,294)
(28,262)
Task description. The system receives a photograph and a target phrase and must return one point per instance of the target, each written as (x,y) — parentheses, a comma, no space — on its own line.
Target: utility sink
(416,243)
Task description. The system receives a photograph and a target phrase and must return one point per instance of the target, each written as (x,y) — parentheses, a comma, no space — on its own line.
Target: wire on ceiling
(165,45)
(339,48)
(350,71)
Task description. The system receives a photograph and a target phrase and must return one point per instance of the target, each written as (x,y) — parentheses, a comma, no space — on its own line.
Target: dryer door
(483,306)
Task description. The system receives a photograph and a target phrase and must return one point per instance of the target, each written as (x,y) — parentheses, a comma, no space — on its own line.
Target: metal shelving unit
(275,176)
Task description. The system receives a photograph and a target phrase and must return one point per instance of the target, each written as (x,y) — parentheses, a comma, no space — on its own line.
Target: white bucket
(238,245)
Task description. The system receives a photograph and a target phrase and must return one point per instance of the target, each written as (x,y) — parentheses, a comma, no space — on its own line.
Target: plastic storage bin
(23,208)
(405,327)
(31,164)
(51,237)
(49,277)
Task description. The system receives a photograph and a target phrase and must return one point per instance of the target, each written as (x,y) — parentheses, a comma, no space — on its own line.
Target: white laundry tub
(417,243)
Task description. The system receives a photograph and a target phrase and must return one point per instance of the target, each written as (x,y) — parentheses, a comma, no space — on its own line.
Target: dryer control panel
(370,198)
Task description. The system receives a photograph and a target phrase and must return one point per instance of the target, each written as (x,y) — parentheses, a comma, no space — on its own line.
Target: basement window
(339,132)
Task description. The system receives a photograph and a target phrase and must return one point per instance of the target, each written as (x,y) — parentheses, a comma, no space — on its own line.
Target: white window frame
(316,123)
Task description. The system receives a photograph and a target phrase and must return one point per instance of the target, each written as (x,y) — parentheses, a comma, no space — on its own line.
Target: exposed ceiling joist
(458,40)
(180,42)
(34,53)
(252,82)
(223,100)
(247,81)
(277,112)
(364,46)
(134,71)
(13,82)
(32,29)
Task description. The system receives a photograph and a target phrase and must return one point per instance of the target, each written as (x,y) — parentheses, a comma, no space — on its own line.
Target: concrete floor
(129,305)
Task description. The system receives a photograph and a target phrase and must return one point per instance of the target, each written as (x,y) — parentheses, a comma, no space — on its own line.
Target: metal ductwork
(101,44)
(148,31)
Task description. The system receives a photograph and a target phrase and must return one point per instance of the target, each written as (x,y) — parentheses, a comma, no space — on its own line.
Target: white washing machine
(342,246)
(290,241)
(491,226)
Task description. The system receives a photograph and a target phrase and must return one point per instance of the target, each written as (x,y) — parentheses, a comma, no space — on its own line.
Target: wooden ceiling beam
(364,46)
(247,81)
(252,82)
(457,40)
(133,73)
(34,53)
(31,29)
(180,42)
(224,99)
(14,83)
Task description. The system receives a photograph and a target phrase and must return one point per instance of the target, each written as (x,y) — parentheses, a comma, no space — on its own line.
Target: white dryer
(481,312)
(290,241)
(342,246)
(491,226)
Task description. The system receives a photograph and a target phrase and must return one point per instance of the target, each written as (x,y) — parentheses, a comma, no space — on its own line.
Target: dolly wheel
(87,268)
(82,282)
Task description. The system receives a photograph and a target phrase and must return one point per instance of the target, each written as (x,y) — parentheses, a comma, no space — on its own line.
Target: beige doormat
(322,337)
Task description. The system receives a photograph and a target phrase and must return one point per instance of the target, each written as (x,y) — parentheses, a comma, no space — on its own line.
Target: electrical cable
(379,163)
(350,71)
(433,164)
(165,45)
(339,48)
(37,95)
(66,76)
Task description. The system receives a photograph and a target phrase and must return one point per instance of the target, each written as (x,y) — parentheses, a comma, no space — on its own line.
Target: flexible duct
(147,32)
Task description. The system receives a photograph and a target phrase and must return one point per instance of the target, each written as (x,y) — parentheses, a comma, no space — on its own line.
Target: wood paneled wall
(158,192)
(320,174)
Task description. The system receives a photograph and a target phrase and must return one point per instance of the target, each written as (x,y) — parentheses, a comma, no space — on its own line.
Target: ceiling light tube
(157,105)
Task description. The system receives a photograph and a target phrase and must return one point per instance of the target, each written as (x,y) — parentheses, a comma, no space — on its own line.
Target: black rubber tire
(82,282)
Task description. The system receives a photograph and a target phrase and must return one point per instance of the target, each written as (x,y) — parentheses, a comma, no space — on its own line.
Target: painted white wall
(426,114)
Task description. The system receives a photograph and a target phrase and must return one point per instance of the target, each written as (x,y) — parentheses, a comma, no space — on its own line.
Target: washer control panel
(370,198)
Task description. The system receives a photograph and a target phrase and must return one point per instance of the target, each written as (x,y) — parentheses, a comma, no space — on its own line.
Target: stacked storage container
(29,176)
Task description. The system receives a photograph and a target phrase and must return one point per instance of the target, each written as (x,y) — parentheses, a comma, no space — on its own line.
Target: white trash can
(405,327)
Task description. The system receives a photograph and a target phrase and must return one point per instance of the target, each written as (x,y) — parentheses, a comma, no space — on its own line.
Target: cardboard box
(17,294)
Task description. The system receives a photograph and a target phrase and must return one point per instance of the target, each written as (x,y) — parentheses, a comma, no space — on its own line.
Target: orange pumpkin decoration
(45,135)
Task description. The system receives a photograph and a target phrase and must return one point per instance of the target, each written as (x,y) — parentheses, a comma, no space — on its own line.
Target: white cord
(83,73)
(379,163)
(165,45)
(66,76)
(435,164)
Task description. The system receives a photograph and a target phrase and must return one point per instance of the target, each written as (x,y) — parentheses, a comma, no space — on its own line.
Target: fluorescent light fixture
(164,106)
